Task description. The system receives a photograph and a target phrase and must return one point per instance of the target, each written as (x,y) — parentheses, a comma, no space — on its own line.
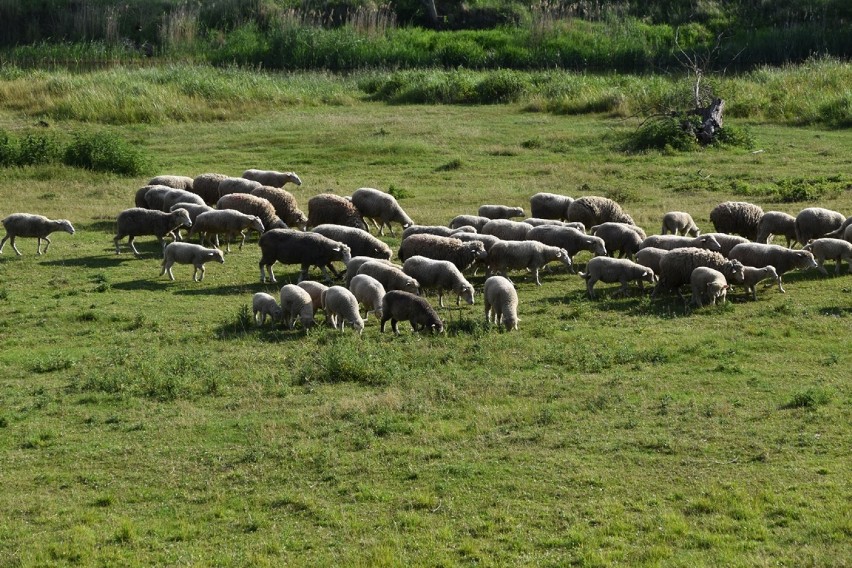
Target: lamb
(462,254)
(538,221)
(206,186)
(327,208)
(592,210)
(399,306)
(177,182)
(295,247)
(315,289)
(679,223)
(30,225)
(189,253)
(253,205)
(726,241)
(340,305)
(816,222)
(265,305)
(231,185)
(228,222)
(284,204)
(609,270)
(356,262)
(374,204)
(550,206)
(475,221)
(834,249)
(708,283)
(391,277)
(619,237)
(671,242)
(776,223)
(368,291)
(677,265)
(572,240)
(501,300)
(783,259)
(360,243)
(651,257)
(531,255)
(296,302)
(441,275)
(272,178)
(137,221)
(737,217)
(752,275)
(500,211)
(439,230)
(507,229)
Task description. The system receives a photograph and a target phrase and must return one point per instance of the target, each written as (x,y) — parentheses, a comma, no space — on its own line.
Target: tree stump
(711,121)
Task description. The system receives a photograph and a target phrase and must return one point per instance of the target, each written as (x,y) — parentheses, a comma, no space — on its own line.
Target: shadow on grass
(99,226)
(229,290)
(147,284)
(93,261)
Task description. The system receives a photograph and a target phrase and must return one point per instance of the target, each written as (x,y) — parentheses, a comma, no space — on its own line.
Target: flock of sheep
(435,258)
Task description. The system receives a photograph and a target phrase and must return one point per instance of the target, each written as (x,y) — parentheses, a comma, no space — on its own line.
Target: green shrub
(8,149)
(37,148)
(502,87)
(735,136)
(670,133)
(105,152)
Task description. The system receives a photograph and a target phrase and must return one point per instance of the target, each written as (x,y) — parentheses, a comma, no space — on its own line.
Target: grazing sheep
(610,270)
(368,291)
(737,217)
(206,186)
(679,223)
(619,237)
(29,225)
(360,242)
(295,247)
(137,221)
(441,275)
(592,210)
(374,204)
(296,302)
(462,254)
(189,253)
(550,206)
(153,196)
(265,305)
(253,205)
(752,275)
(475,221)
(340,305)
(839,232)
(651,257)
(816,222)
(501,301)
(193,209)
(177,182)
(837,250)
(783,259)
(403,306)
(568,238)
(177,196)
(315,289)
(776,223)
(671,242)
(272,178)
(488,241)
(677,265)
(708,283)
(439,230)
(847,235)
(327,208)
(726,241)
(228,222)
(500,211)
(391,277)
(284,204)
(355,263)
(231,185)
(538,221)
(507,230)
(531,255)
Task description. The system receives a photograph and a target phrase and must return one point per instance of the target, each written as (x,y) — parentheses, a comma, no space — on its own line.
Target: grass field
(146,422)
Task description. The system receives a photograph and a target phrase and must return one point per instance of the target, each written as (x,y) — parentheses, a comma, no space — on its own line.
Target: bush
(502,86)
(670,133)
(8,150)
(36,149)
(105,152)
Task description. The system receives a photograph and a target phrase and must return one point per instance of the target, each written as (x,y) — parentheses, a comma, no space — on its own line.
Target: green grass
(147,422)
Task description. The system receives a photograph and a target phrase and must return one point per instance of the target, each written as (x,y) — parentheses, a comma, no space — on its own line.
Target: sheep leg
(590,284)
(15,248)
(440,297)
(197,268)
(242,242)
(133,246)
(167,267)
(821,268)
(537,281)
(381,229)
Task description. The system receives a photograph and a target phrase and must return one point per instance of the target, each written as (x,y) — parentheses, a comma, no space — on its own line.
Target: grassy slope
(140,426)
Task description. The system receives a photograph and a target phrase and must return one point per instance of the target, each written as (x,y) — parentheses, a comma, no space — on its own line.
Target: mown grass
(147,422)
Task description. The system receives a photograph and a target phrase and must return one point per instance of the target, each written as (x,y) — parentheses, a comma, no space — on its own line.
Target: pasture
(147,422)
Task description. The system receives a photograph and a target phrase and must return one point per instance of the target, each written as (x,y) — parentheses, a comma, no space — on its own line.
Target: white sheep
(360,243)
(137,221)
(550,206)
(30,225)
(315,289)
(228,222)
(679,223)
(272,178)
(651,257)
(501,301)
(783,259)
(671,242)
(568,238)
(355,263)
(726,241)
(177,182)
(284,204)
(753,275)
(374,204)
(295,247)
(264,305)
(475,221)
(369,292)
(391,276)
(619,237)
(500,211)
(708,283)
(462,254)
(341,307)
(296,303)
(206,186)
(189,253)
(398,305)
(439,230)
(610,270)
(231,185)
(776,223)
(738,217)
(530,255)
(507,230)
(815,222)
(827,248)
(441,275)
